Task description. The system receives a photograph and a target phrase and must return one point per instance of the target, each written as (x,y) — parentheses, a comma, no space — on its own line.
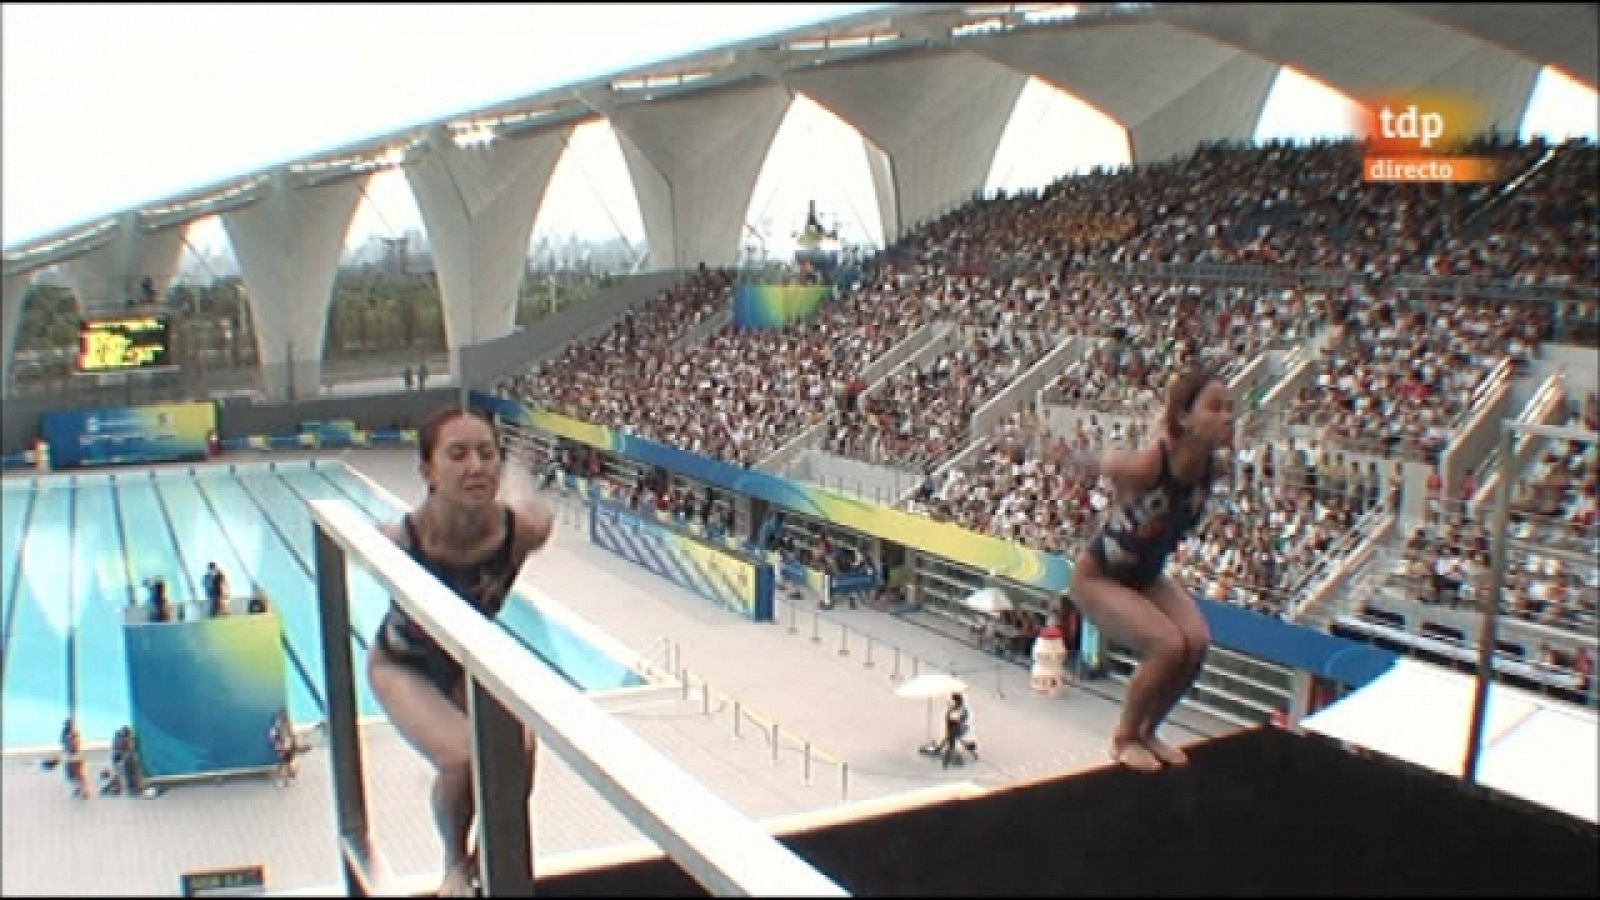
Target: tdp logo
(1423,123)
(1411,125)
(1419,138)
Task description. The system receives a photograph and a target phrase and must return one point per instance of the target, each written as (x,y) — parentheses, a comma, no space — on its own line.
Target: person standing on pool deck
(1120,579)
(475,544)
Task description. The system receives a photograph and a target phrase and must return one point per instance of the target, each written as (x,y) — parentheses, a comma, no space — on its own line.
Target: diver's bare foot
(1136,756)
(457,881)
(1164,751)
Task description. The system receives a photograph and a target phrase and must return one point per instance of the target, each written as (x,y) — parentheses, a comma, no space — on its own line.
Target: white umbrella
(990,600)
(929,685)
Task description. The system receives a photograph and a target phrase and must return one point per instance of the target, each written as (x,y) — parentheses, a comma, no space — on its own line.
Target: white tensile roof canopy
(930,87)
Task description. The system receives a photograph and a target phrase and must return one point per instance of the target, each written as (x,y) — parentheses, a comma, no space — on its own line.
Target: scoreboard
(123,344)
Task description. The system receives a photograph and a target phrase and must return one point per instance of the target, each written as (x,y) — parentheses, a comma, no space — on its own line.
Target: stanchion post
(1499,553)
(774,743)
(738,714)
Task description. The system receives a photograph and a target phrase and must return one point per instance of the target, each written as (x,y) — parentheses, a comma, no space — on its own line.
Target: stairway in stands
(1477,216)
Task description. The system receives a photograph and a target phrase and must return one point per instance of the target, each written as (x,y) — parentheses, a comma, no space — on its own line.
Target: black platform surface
(1261,812)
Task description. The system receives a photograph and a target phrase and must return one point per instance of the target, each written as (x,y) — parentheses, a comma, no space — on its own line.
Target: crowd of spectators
(1397,380)
(1157,326)
(920,415)
(575,381)
(1547,232)
(1400,368)
(1274,529)
(1446,560)
(1279,204)
(1270,528)
(1020,488)
(741,395)
(737,395)
(1152,326)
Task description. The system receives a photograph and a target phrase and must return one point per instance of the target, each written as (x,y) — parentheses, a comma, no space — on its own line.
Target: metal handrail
(509,689)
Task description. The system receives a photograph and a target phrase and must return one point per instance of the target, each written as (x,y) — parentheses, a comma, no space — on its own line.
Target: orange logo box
(1418,136)
(1458,169)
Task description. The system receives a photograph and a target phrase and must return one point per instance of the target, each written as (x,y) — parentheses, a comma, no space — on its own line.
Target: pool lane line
(122,538)
(17,576)
(172,535)
(283,633)
(72,606)
(309,569)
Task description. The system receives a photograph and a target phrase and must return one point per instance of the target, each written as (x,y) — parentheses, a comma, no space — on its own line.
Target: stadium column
(12,290)
(931,123)
(478,203)
(288,244)
(693,182)
(106,279)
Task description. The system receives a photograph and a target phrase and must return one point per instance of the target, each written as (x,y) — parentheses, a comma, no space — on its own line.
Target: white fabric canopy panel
(1534,747)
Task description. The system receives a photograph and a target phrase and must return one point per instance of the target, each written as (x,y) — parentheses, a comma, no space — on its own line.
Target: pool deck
(846,709)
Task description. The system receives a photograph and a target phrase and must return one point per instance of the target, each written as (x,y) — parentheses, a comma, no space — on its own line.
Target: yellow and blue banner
(794,572)
(129,434)
(772,306)
(728,579)
(335,433)
(1006,559)
(204,693)
(316,434)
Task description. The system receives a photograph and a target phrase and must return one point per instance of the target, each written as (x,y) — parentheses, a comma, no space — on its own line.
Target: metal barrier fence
(509,689)
(742,716)
(896,663)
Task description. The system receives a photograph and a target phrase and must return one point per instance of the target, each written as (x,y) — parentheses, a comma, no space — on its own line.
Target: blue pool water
(76,548)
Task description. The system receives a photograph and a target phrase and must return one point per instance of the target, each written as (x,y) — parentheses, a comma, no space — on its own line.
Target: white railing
(510,689)
(1546,408)
(1346,560)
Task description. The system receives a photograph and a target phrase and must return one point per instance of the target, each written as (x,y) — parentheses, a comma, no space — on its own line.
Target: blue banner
(204,693)
(728,579)
(852,583)
(1296,646)
(129,434)
(773,306)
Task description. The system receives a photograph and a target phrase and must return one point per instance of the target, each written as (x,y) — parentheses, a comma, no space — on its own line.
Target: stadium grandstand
(904,434)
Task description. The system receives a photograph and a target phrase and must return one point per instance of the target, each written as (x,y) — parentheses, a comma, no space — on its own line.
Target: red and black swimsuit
(1141,532)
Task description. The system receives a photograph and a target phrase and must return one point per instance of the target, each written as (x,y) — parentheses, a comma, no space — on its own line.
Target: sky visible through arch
(108,106)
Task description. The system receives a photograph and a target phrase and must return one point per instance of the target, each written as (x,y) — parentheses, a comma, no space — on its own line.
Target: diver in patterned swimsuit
(475,544)
(1119,580)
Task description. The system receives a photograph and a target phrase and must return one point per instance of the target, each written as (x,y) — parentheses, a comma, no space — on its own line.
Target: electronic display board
(123,343)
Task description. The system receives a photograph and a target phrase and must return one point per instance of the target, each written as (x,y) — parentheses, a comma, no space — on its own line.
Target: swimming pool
(77,547)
